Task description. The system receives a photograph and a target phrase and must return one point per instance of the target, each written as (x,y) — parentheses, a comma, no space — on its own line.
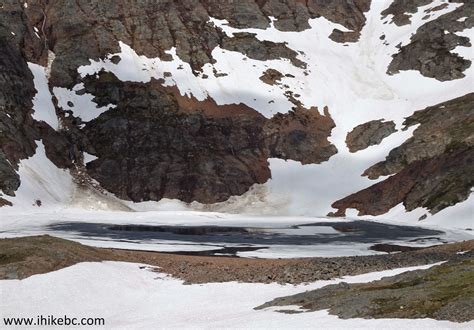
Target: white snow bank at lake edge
(130,297)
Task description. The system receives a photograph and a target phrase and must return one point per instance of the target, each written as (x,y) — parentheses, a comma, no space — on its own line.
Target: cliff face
(152,89)
(433,169)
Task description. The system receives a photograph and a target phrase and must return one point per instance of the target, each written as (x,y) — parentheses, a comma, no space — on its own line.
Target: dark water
(251,238)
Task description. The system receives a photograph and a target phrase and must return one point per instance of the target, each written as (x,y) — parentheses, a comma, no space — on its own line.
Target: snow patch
(42,102)
(123,293)
(41,181)
(89,158)
(82,106)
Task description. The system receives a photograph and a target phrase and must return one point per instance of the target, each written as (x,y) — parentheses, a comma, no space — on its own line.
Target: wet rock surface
(432,169)
(226,153)
(369,134)
(444,292)
(9,179)
(161,148)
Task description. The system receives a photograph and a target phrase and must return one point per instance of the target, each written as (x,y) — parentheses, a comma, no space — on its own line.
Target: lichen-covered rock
(432,169)
(369,134)
(443,292)
(443,128)
(434,183)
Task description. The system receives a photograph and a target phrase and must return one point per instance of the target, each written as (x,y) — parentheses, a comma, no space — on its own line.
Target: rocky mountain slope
(244,106)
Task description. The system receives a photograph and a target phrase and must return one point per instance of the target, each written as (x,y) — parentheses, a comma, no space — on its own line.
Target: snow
(132,296)
(89,158)
(40,180)
(42,102)
(349,78)
(82,106)
(133,67)
(466,52)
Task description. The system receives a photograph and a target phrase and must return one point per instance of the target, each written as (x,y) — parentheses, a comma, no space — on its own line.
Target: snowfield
(350,79)
(132,296)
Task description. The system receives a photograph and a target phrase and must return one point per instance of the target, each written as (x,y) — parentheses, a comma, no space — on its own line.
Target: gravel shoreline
(26,256)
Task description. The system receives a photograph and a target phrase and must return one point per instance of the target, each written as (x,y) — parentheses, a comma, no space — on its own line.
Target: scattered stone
(27,256)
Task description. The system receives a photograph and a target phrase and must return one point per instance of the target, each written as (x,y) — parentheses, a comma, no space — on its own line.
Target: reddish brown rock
(301,135)
(432,169)
(158,144)
(443,128)
(434,184)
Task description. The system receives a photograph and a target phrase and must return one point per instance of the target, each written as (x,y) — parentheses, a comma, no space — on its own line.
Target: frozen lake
(228,235)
